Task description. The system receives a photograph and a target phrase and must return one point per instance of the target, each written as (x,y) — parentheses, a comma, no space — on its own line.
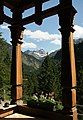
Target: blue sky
(46,36)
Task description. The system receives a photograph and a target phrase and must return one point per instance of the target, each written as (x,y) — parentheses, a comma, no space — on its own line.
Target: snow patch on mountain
(39,54)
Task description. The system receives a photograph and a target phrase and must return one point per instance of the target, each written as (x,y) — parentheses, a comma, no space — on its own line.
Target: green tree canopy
(48,77)
(5,63)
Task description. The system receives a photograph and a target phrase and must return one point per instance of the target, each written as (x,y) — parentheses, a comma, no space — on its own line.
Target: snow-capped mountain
(39,54)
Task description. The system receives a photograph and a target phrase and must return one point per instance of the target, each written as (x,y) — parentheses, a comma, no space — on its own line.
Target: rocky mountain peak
(39,54)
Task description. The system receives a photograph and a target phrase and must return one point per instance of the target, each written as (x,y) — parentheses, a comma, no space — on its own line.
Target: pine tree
(49,77)
(80,84)
(57,81)
(30,85)
(5,63)
(46,76)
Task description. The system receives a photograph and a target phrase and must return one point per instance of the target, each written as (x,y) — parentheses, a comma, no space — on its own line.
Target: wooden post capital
(16,33)
(66,16)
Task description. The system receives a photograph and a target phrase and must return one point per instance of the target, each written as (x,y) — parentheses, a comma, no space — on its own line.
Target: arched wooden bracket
(38,12)
(1,12)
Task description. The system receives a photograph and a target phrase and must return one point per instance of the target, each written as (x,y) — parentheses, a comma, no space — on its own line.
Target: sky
(46,36)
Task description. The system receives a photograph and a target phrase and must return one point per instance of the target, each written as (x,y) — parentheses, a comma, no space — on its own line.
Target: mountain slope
(30,63)
(38,54)
(29,60)
(31,66)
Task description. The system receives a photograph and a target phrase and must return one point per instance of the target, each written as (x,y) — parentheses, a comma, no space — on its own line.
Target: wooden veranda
(66,12)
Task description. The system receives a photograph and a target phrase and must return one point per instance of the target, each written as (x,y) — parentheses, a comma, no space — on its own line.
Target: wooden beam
(7,19)
(50,12)
(26,4)
(9,4)
(28,20)
(23,5)
(44,14)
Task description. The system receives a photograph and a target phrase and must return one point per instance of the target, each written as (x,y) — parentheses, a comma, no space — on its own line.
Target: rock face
(38,54)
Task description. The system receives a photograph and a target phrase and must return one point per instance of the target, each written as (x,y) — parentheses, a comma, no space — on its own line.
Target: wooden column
(68,60)
(16,68)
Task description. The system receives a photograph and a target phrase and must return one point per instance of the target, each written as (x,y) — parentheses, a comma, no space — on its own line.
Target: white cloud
(78,32)
(54,38)
(4,27)
(57,42)
(29,45)
(43,36)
